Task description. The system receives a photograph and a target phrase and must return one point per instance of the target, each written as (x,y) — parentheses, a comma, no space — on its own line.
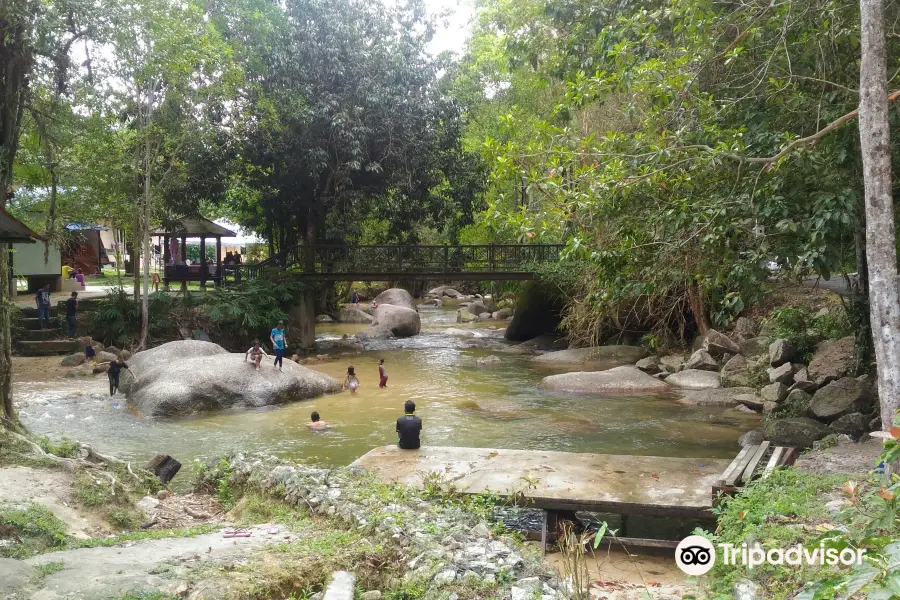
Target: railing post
(446,258)
(491,257)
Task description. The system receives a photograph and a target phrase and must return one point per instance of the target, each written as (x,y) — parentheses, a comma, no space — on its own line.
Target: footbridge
(491,262)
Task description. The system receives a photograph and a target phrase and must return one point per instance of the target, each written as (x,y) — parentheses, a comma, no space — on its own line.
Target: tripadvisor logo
(696,555)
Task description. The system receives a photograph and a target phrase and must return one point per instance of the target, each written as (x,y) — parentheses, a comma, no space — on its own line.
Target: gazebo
(175,255)
(12,231)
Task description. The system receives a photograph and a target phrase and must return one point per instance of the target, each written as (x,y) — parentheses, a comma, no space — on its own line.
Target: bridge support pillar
(303,319)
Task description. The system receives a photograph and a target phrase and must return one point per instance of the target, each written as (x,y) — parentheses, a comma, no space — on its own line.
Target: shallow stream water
(461,403)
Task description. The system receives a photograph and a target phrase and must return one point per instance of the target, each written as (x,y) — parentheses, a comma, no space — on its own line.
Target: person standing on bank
(42,301)
(278,344)
(409,426)
(71,314)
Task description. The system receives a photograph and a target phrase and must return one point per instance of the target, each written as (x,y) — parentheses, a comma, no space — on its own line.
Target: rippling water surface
(462,404)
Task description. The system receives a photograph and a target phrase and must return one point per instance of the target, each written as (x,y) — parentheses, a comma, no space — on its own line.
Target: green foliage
(780,511)
(91,492)
(797,325)
(65,448)
(116,320)
(32,528)
(135,536)
(46,569)
(124,518)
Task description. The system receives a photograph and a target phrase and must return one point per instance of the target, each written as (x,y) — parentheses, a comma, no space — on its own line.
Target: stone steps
(48,347)
(34,324)
(40,335)
(342,586)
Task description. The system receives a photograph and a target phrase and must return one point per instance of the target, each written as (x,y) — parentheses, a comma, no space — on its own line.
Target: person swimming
(316,422)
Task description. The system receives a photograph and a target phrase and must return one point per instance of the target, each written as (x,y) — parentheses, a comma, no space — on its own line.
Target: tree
(881,239)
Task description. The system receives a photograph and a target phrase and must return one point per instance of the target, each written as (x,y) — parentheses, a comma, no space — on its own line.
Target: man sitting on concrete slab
(409,426)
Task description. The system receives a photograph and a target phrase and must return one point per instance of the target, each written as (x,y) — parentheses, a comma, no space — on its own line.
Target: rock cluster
(440,543)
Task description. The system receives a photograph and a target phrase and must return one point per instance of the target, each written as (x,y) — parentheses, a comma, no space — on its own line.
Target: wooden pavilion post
(203,271)
(219,274)
(166,256)
(183,261)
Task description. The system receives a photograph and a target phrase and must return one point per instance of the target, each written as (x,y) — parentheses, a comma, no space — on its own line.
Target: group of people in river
(409,426)
(351,381)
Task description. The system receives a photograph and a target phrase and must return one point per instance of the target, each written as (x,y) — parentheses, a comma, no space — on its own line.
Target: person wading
(409,426)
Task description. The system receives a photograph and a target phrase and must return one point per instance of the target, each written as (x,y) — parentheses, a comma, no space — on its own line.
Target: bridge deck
(627,485)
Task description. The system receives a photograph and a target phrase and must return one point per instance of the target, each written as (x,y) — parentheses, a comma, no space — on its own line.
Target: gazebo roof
(193,227)
(14,230)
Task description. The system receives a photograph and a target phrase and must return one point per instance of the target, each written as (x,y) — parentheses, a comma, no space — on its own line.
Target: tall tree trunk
(881,241)
(859,298)
(8,417)
(145,247)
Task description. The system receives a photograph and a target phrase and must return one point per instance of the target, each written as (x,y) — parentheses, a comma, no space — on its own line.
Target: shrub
(32,528)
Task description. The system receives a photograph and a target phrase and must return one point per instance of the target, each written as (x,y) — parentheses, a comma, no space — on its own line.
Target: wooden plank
(789,456)
(638,542)
(774,461)
(742,462)
(747,475)
(737,459)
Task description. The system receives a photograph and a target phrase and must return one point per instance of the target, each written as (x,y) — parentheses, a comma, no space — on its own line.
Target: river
(461,403)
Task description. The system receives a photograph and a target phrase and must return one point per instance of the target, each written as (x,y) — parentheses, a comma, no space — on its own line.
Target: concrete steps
(34,324)
(48,347)
(40,335)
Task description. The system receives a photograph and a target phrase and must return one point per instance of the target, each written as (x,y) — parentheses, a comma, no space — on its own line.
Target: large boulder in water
(396,320)
(396,297)
(172,351)
(537,312)
(170,384)
(600,356)
(619,380)
(354,315)
(694,379)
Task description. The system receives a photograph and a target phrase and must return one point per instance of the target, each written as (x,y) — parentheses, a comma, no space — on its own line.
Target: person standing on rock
(71,314)
(115,368)
(256,354)
(354,298)
(278,344)
(382,374)
(409,427)
(42,301)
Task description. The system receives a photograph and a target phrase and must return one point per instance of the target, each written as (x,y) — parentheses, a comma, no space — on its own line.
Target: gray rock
(753,347)
(648,365)
(746,590)
(751,400)
(477,307)
(671,362)
(371,595)
(854,424)
(341,587)
(694,379)
(125,355)
(621,380)
(538,310)
(485,316)
(769,408)
(875,424)
(724,397)
(774,392)
(324,319)
(799,432)
(735,372)
(798,397)
(163,384)
(701,360)
(104,356)
(396,297)
(354,315)
(782,374)
(804,386)
(435,302)
(396,320)
(15,576)
(171,352)
(548,342)
(488,360)
(111,350)
(444,290)
(445,577)
(754,437)
(503,313)
(464,316)
(780,352)
(744,409)
(718,344)
(840,397)
(600,356)
(832,360)
(73,360)
(744,329)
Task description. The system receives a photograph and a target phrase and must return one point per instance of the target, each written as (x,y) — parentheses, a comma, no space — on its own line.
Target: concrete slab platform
(639,485)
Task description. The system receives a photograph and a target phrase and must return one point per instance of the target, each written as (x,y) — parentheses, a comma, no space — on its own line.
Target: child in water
(351,382)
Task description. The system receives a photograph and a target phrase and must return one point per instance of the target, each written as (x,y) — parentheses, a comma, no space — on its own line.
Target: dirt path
(163,565)
(845,459)
(52,489)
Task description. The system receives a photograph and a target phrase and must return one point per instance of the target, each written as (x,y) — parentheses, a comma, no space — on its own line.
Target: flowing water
(461,403)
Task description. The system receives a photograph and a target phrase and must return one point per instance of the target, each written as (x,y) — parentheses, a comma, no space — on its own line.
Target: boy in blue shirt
(278,343)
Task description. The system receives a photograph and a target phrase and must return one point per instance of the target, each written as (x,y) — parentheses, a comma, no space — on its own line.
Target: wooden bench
(753,460)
